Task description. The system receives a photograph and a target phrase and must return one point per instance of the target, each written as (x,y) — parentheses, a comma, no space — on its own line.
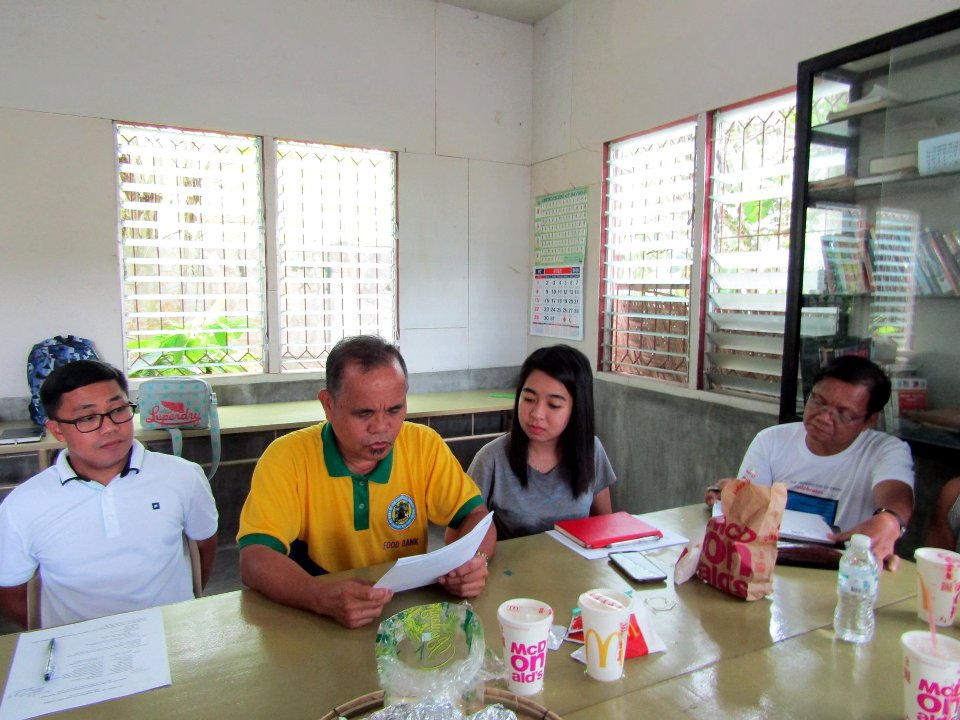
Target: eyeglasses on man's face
(817,404)
(92,422)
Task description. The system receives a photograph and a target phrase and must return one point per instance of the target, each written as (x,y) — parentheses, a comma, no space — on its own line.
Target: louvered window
(195,244)
(751,184)
(648,253)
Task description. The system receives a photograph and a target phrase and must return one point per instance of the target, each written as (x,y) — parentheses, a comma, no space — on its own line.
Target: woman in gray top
(550,466)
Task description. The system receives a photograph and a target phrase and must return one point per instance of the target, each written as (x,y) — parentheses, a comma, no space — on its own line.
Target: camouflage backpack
(45,357)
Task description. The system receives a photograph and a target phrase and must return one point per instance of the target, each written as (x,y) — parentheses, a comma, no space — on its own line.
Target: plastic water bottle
(857,585)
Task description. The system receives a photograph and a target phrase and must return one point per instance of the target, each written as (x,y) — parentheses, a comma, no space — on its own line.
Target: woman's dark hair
(73,376)
(571,368)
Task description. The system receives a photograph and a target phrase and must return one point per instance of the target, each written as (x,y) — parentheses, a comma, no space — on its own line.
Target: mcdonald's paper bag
(739,548)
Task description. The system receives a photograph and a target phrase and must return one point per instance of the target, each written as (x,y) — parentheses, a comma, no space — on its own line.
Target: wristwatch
(903,525)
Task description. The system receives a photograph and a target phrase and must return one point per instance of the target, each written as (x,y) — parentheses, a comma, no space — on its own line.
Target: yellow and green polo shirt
(303,490)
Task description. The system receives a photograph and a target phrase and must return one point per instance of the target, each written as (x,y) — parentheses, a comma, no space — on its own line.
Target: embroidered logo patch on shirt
(401,512)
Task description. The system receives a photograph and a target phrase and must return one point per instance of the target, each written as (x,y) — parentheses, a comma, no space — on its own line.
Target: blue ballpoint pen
(48,668)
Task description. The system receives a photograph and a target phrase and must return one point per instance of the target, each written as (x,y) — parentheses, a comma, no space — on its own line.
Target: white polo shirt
(106,549)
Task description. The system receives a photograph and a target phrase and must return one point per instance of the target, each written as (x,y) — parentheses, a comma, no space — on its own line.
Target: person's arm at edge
(469,579)
(208,554)
(940,534)
(602,504)
(884,528)
(351,603)
(13,603)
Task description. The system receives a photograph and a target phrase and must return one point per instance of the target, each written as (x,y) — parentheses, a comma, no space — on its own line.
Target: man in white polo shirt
(104,525)
(834,463)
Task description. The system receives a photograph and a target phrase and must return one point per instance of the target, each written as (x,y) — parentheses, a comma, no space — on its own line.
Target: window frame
(270,300)
(700,248)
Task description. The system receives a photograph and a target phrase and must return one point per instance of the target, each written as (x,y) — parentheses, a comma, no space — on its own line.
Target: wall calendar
(556,304)
(560,243)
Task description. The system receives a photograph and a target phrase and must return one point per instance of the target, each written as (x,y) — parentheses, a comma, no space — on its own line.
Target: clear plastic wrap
(434,652)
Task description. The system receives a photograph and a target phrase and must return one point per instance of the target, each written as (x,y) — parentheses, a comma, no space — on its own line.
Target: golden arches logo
(603,645)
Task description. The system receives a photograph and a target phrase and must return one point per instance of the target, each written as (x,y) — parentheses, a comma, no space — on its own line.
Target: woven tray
(523,707)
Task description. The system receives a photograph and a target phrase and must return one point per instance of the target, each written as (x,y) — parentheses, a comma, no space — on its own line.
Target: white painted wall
(469,101)
(447,88)
(604,69)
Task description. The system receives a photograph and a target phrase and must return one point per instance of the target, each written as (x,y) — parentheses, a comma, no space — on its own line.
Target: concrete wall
(665,449)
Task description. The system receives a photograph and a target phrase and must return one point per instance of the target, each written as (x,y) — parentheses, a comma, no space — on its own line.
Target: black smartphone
(638,567)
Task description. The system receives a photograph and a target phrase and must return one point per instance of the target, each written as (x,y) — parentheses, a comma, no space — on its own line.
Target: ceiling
(525,11)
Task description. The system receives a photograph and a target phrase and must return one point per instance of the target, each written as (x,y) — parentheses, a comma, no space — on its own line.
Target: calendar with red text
(560,233)
(556,303)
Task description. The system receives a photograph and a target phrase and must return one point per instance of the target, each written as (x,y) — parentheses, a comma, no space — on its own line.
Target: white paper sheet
(799,526)
(669,538)
(419,570)
(96,660)
(804,526)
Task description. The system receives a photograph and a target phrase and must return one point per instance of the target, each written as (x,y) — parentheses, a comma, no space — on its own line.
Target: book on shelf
(878,98)
(937,266)
(837,182)
(843,262)
(908,394)
(901,174)
(603,531)
(946,260)
(893,163)
(841,346)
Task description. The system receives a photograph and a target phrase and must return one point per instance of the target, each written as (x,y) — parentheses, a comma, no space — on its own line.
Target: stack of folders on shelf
(878,98)
(19,436)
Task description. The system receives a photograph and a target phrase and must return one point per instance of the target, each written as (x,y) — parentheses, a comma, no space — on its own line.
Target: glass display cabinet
(875,239)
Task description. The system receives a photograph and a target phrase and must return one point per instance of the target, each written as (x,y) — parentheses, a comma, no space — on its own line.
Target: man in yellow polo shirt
(356,490)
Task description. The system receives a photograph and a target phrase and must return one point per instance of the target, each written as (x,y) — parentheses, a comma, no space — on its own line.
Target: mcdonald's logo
(603,646)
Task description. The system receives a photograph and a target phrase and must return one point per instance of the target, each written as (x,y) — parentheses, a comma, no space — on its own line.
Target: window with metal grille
(652,269)
(751,184)
(336,241)
(648,253)
(195,245)
(192,251)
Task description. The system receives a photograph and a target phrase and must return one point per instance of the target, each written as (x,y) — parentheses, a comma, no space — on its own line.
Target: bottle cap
(860,541)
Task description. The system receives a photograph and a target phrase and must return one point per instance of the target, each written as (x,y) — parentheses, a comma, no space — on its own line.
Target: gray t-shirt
(547,498)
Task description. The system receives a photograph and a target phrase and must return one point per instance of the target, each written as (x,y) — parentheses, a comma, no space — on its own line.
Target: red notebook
(601,531)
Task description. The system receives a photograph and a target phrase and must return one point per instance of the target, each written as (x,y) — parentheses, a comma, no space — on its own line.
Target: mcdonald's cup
(606,619)
(524,628)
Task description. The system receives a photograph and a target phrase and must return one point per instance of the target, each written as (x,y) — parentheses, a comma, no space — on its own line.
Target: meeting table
(241,655)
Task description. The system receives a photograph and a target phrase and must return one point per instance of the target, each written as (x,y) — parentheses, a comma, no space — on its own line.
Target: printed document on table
(669,538)
(419,570)
(93,661)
